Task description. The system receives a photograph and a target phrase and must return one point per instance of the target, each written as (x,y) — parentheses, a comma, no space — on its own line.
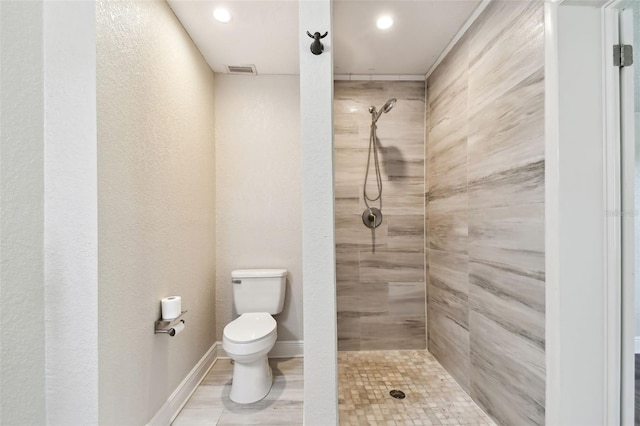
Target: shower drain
(397,394)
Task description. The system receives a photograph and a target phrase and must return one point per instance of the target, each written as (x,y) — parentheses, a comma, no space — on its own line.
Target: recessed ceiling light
(222,15)
(384,22)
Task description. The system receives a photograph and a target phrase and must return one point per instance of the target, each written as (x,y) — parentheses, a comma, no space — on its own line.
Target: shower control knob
(372,217)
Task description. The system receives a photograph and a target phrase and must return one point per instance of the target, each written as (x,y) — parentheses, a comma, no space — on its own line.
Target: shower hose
(373,149)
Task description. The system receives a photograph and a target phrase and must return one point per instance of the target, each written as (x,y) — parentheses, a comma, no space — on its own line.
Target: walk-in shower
(448,290)
(372,216)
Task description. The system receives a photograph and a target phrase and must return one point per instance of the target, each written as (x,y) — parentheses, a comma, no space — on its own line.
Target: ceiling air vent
(242,69)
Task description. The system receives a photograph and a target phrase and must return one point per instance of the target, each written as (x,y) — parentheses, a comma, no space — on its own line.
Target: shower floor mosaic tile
(432,396)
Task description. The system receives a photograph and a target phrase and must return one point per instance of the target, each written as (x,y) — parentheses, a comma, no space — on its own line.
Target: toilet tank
(259,290)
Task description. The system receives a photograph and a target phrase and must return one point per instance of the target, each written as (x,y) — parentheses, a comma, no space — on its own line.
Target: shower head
(388,105)
(375,115)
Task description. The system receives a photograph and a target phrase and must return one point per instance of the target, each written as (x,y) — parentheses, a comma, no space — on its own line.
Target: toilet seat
(250,327)
(249,334)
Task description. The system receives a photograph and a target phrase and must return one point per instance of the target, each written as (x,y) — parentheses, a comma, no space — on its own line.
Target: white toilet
(257,294)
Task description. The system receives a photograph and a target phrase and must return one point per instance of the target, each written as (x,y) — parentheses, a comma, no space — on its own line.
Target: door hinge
(622,55)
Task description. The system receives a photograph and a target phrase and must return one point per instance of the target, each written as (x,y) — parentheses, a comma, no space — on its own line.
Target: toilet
(257,294)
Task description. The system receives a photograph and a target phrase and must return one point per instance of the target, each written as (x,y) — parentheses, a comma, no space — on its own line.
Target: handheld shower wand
(375,115)
(372,217)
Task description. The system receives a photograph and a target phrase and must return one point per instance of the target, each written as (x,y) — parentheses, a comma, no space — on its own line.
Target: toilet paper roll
(177,329)
(171,307)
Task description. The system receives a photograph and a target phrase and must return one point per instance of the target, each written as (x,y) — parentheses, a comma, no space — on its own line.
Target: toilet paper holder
(167,326)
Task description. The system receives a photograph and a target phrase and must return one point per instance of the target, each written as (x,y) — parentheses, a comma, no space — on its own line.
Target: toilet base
(251,380)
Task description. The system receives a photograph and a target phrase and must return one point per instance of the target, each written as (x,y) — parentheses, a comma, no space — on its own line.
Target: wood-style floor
(210,404)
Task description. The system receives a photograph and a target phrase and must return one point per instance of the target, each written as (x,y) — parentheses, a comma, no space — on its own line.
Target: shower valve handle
(372,217)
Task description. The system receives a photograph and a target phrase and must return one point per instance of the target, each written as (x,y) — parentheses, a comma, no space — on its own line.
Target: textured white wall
(22,346)
(156,185)
(318,240)
(258,189)
(71,216)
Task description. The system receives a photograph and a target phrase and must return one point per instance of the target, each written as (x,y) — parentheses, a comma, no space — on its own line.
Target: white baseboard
(638,344)
(282,349)
(183,392)
(287,349)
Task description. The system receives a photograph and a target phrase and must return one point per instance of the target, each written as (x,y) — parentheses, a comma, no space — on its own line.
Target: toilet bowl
(247,340)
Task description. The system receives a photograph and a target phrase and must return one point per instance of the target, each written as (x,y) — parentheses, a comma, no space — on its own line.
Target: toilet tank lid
(258,273)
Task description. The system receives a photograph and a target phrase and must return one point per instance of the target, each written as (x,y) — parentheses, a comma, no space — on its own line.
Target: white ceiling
(265,34)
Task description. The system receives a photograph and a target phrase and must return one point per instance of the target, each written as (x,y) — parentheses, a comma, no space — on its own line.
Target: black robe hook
(317,47)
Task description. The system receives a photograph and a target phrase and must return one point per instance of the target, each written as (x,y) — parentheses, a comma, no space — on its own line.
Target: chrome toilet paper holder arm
(167,326)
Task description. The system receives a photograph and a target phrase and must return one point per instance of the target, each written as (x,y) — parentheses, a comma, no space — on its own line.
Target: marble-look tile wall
(485,212)
(381,274)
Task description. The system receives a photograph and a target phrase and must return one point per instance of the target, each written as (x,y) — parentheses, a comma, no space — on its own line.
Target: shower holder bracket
(372,218)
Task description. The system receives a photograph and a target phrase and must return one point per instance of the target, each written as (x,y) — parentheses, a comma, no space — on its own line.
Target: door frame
(584,246)
(626,122)
(620,247)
